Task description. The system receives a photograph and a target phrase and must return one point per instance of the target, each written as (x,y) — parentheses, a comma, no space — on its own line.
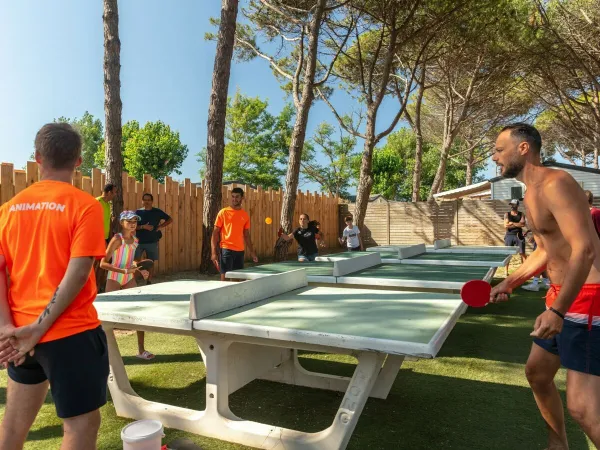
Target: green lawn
(473,396)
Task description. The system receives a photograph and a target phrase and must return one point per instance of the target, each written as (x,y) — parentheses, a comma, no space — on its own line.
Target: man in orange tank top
(567,333)
(232,235)
(50,335)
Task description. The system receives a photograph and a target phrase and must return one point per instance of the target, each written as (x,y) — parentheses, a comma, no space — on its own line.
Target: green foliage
(393,166)
(335,176)
(92,133)
(154,149)
(256,142)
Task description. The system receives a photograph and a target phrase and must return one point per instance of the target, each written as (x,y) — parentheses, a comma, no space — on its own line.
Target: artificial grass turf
(474,395)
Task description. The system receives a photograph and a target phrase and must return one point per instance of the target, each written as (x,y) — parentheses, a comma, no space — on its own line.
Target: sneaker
(531,287)
(546,284)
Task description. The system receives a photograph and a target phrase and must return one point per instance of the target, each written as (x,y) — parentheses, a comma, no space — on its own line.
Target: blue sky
(52,54)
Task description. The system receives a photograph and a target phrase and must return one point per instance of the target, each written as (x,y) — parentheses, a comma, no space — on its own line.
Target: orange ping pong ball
(268,221)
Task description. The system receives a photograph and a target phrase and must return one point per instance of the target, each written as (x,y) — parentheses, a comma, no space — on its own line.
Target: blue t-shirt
(152,217)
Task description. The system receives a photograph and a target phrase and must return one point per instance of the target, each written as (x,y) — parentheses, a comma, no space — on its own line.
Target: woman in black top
(306,235)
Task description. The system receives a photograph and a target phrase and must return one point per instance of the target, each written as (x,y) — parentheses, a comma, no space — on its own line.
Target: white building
(500,188)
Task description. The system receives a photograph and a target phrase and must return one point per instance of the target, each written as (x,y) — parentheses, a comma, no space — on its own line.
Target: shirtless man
(568,331)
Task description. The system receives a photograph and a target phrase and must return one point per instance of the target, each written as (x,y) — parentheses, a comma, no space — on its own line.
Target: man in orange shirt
(50,334)
(232,230)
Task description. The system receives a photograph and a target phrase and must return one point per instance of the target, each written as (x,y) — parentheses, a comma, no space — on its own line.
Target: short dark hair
(59,145)
(304,214)
(108,188)
(590,197)
(347,218)
(148,194)
(527,133)
(238,191)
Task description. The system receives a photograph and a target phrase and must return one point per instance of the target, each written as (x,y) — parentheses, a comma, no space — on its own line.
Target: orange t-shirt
(41,229)
(232,223)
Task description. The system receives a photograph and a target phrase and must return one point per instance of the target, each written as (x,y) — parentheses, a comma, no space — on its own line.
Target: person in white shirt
(351,236)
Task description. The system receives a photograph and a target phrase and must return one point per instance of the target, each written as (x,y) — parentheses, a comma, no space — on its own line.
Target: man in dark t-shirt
(514,221)
(148,230)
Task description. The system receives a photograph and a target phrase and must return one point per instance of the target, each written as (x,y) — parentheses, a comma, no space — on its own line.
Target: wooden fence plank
(33,173)
(131,183)
(199,226)
(181,228)
(168,231)
(192,226)
(7,187)
(97,186)
(175,228)
(20,181)
(159,193)
(86,185)
(77,179)
(187,199)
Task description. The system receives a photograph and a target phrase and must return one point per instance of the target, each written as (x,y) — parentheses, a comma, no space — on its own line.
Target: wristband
(558,313)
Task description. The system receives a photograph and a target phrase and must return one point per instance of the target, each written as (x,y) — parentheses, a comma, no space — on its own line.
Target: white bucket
(142,435)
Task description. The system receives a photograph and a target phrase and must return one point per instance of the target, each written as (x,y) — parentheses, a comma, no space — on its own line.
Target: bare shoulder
(558,182)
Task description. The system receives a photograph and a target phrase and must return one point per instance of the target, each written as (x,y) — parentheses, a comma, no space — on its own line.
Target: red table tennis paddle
(476,293)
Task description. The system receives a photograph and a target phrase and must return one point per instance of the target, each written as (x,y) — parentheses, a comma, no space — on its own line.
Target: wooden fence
(465,222)
(181,245)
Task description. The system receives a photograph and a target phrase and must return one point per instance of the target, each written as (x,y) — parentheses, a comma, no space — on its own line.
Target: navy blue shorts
(230,260)
(512,240)
(354,249)
(577,346)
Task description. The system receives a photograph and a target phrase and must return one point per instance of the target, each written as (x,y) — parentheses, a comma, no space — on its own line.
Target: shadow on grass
(422,411)
(47,432)
(163,359)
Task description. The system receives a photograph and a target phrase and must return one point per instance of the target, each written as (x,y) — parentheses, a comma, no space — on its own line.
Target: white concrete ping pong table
(443,248)
(252,330)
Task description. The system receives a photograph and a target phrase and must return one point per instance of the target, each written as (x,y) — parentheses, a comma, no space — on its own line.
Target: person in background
(594,211)
(108,193)
(231,236)
(121,267)
(351,236)
(152,220)
(307,236)
(514,221)
(534,285)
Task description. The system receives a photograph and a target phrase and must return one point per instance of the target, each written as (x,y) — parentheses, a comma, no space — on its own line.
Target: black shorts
(512,240)
(230,260)
(354,249)
(75,366)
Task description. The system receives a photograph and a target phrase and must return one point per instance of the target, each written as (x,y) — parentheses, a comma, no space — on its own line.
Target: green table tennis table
(385,275)
(253,330)
(432,258)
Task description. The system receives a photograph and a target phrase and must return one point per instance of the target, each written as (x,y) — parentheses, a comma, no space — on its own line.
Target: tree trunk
(470,164)
(113,106)
(365,183)
(416,126)
(596,150)
(217,109)
(299,133)
(438,181)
